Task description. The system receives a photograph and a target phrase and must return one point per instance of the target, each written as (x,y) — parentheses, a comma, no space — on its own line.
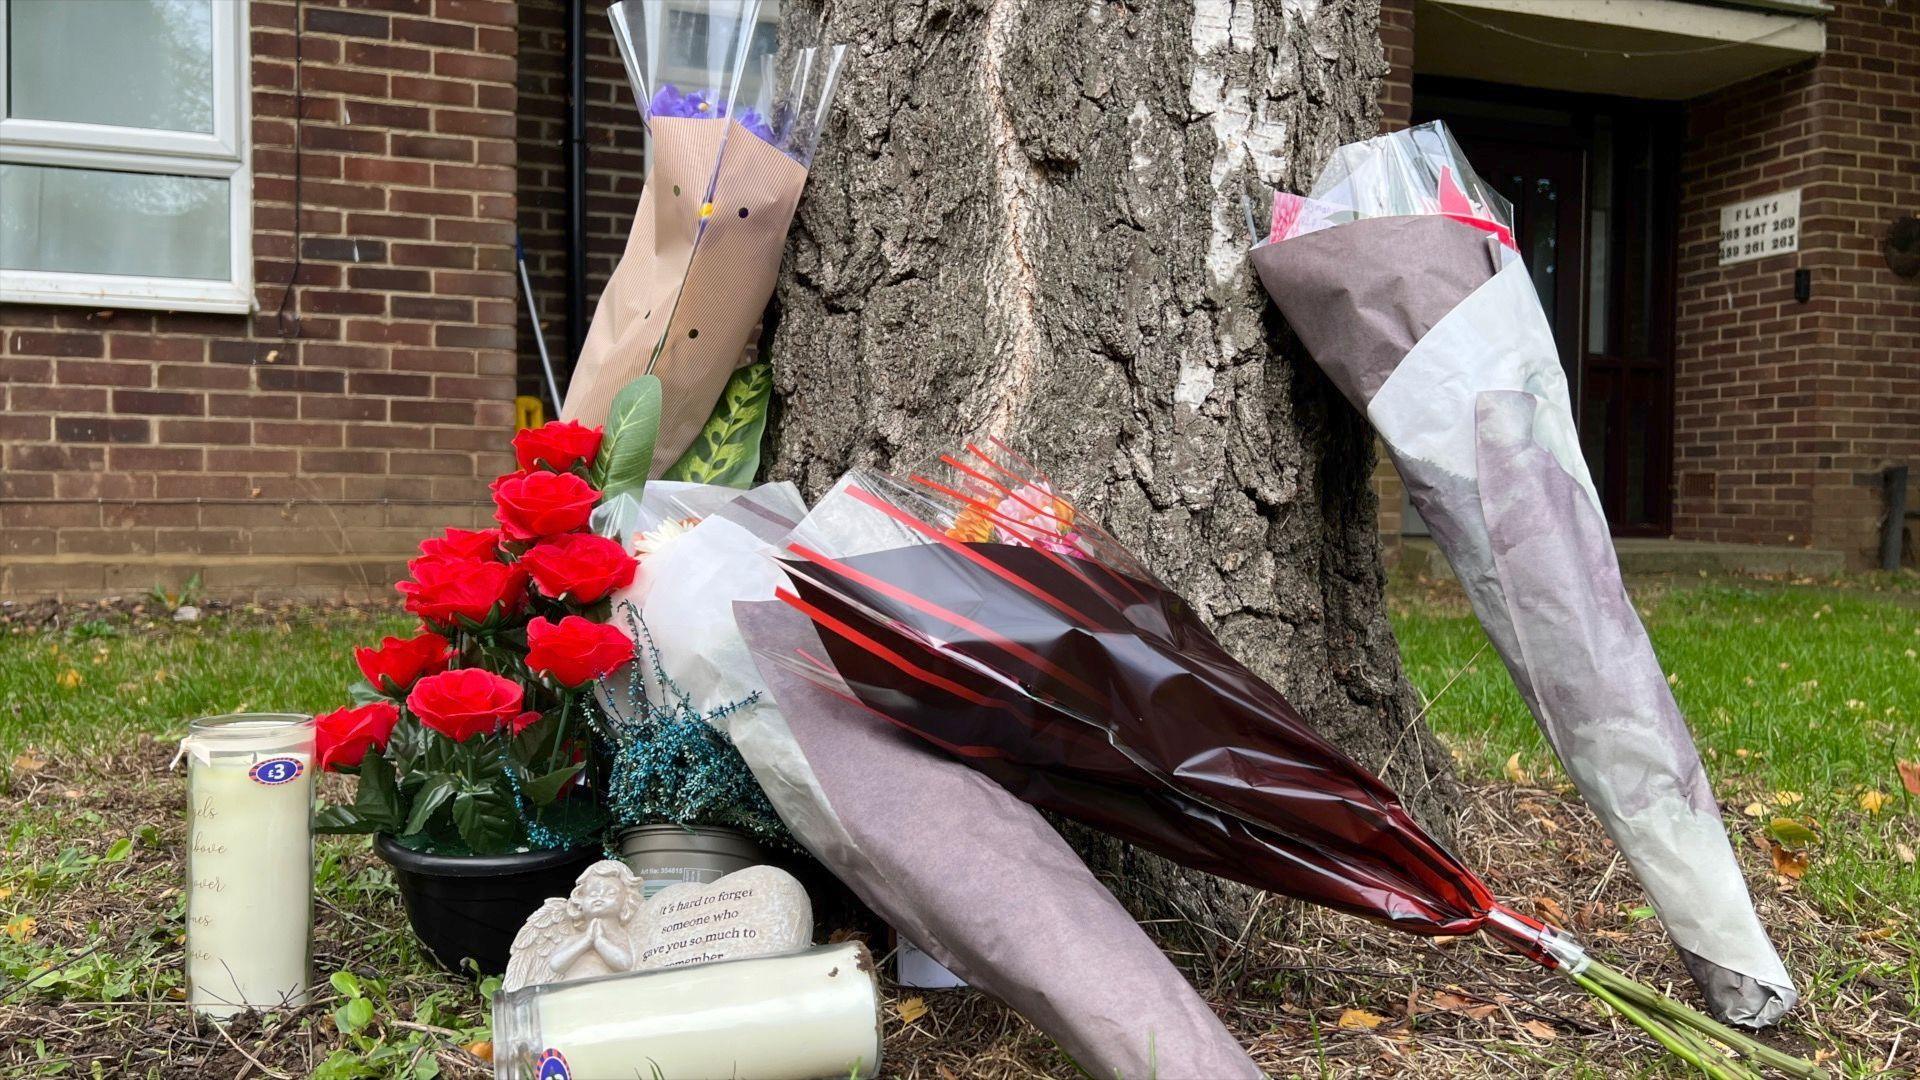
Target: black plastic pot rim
(518,862)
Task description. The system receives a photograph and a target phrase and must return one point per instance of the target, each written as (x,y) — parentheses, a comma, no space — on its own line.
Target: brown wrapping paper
(703,291)
(1359,295)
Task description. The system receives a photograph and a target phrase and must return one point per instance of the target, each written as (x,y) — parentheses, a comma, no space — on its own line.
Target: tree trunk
(1026,221)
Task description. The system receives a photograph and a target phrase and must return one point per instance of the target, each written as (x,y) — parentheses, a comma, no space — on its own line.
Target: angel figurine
(594,931)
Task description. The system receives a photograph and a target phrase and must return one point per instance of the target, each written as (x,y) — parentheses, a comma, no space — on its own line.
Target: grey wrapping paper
(1434,330)
(979,879)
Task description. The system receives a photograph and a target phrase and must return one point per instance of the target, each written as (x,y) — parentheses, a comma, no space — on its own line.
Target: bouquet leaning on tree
(730,136)
(985,615)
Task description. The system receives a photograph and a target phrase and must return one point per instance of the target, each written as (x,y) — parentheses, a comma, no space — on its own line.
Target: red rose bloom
(559,445)
(398,663)
(343,736)
(579,567)
(575,651)
(444,590)
(532,505)
(464,544)
(467,702)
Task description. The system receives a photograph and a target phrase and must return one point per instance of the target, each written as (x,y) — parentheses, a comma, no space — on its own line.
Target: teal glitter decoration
(670,764)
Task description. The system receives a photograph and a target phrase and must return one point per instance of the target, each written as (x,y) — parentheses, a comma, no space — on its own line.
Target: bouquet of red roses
(471,736)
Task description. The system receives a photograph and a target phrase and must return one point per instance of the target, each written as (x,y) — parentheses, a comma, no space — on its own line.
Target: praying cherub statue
(594,931)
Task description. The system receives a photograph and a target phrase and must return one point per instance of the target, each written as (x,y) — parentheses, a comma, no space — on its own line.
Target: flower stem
(1711,1062)
(1683,1016)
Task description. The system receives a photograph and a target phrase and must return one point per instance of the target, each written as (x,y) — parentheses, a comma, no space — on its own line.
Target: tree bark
(1025,221)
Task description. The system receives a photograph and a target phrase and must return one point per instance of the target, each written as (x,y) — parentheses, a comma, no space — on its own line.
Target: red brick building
(310,355)
(1752,395)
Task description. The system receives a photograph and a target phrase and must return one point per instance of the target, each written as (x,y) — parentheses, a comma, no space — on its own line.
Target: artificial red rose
(398,663)
(559,445)
(579,567)
(575,651)
(532,505)
(466,702)
(464,544)
(443,591)
(343,736)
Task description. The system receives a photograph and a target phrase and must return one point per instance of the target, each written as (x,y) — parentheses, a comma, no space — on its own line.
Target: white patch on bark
(1242,134)
(1013,284)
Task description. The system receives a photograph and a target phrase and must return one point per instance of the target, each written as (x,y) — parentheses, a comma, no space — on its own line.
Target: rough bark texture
(1026,221)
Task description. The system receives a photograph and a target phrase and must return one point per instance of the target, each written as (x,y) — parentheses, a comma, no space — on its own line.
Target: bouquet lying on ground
(989,618)
(472,736)
(1400,274)
(729,140)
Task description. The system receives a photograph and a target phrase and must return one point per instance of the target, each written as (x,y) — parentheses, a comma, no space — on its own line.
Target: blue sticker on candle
(277,770)
(553,1066)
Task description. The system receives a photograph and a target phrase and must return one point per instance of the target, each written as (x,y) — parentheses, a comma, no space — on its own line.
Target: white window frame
(224,154)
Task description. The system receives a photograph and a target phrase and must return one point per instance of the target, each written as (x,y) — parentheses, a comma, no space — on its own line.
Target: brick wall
(615,169)
(303,457)
(1785,412)
(1396,112)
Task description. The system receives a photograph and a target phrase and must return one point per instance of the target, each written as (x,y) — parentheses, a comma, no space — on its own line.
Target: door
(1593,184)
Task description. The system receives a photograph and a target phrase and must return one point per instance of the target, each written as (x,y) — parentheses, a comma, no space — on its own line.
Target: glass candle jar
(792,1017)
(249,861)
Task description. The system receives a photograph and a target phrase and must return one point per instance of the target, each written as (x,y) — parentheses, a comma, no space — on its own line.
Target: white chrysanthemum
(656,540)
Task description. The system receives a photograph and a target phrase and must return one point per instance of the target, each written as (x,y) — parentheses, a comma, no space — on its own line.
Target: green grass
(97,683)
(1802,699)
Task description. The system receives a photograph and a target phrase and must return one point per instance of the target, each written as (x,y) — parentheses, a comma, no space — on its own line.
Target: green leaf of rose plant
(487,819)
(626,445)
(541,791)
(363,692)
(377,797)
(431,797)
(727,450)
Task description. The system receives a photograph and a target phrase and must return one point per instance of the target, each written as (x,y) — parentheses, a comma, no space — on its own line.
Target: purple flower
(670,101)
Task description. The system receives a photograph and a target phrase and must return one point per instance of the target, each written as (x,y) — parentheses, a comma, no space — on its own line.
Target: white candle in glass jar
(249,862)
(791,1017)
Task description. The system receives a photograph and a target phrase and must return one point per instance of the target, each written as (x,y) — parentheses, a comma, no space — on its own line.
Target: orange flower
(972,527)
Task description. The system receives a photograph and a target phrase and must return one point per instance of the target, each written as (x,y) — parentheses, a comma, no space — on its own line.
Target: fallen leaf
(1791,834)
(6,892)
(1754,809)
(1550,910)
(1540,1029)
(1788,798)
(28,763)
(911,1009)
(1361,1018)
(1787,863)
(1872,801)
(1513,770)
(1904,852)
(1910,776)
(21,927)
(69,679)
(481,1049)
(1448,1001)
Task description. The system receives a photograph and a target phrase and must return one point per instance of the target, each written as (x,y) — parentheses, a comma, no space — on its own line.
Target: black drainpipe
(576,146)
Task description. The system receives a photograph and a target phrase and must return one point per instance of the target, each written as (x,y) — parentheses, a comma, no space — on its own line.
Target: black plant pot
(471,906)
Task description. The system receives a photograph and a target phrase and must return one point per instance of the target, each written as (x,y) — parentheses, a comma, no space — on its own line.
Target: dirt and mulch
(1309,992)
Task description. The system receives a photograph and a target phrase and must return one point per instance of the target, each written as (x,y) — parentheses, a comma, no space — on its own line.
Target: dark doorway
(1593,182)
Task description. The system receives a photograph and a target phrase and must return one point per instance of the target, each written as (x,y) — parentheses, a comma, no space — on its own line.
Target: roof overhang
(1667,49)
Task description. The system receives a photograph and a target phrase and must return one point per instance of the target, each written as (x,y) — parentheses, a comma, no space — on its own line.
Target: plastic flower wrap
(730,136)
(1400,274)
(1051,661)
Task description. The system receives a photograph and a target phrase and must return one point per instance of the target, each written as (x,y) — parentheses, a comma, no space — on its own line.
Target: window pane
(133,63)
(85,221)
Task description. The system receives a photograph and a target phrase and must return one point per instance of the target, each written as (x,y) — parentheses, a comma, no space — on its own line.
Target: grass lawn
(1804,699)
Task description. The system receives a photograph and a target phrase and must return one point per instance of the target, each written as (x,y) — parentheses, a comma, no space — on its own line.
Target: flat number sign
(1760,227)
